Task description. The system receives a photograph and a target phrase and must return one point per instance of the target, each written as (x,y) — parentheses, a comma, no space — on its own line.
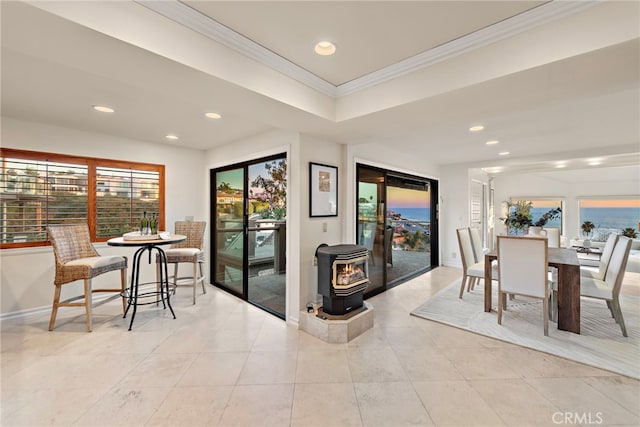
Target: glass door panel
(229,230)
(250,231)
(409,223)
(370,229)
(267,235)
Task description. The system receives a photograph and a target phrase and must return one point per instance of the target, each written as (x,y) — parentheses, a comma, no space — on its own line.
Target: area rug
(600,343)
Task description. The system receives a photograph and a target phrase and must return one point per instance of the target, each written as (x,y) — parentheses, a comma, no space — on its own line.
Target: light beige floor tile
(455,403)
(478,363)
(158,370)
(408,337)
(276,338)
(61,406)
(125,407)
(427,365)
(229,340)
(307,342)
(390,404)
(325,405)
(102,371)
(192,406)
(46,372)
(181,342)
(573,395)
(38,367)
(210,369)
(269,367)
(324,366)
(533,364)
(259,405)
(373,338)
(621,389)
(375,366)
(516,402)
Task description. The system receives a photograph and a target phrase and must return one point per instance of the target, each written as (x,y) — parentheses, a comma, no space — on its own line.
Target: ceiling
(543,77)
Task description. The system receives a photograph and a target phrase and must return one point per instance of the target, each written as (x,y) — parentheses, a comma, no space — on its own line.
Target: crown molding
(525,21)
(196,21)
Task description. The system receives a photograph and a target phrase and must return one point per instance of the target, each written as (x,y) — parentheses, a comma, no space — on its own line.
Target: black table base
(133,293)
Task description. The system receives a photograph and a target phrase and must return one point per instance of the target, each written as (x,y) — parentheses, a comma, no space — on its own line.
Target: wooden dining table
(566,261)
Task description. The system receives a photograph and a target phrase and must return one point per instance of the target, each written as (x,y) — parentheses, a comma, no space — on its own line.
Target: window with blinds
(122,198)
(40,189)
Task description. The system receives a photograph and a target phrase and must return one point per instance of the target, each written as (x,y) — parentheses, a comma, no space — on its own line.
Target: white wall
(312,229)
(263,145)
(27,274)
(454,211)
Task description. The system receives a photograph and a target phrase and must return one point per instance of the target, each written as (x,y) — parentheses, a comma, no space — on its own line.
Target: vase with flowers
(518,216)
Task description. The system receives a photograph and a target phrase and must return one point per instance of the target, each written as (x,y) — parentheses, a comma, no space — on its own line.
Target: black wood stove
(343,275)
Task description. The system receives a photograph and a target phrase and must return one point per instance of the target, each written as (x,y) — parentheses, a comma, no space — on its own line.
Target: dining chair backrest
(553,236)
(368,235)
(607,251)
(466,248)
(618,264)
(476,243)
(194,230)
(523,265)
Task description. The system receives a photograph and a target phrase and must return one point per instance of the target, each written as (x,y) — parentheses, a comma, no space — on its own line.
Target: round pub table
(162,290)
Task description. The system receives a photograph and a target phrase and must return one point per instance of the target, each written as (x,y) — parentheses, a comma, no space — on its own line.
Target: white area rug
(600,343)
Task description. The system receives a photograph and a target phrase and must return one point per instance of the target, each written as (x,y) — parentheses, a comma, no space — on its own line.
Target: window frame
(92,163)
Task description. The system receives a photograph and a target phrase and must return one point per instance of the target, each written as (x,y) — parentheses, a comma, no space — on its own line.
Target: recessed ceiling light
(503,153)
(213,115)
(561,165)
(325,48)
(595,163)
(492,142)
(172,137)
(476,128)
(103,109)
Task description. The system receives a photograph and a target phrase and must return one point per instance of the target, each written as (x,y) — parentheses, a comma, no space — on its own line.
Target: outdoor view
(265,231)
(611,216)
(35,194)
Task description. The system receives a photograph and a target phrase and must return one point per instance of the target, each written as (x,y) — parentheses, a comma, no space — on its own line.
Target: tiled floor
(224,362)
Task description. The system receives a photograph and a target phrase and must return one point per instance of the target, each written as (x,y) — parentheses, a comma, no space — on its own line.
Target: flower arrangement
(518,216)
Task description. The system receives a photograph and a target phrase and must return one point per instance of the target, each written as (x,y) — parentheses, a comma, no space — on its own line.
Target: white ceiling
(549,83)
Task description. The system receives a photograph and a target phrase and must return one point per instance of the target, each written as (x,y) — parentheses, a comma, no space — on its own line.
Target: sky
(624,203)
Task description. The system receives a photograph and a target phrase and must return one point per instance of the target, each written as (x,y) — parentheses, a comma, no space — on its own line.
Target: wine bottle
(144,224)
(154,224)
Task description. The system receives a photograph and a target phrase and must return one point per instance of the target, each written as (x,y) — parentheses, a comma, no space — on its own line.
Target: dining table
(148,244)
(568,266)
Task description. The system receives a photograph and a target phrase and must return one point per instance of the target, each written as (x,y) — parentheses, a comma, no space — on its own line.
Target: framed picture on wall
(323,190)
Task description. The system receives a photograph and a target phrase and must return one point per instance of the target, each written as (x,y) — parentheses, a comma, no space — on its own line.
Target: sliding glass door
(249,209)
(397,224)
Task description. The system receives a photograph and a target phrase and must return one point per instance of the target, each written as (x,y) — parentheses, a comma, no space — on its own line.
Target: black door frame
(434,213)
(244,295)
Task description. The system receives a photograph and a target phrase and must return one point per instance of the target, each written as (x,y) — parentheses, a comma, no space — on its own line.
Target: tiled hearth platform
(337,330)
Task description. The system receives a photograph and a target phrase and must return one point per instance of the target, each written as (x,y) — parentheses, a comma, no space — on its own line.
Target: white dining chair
(476,243)
(608,289)
(523,266)
(472,271)
(553,236)
(604,259)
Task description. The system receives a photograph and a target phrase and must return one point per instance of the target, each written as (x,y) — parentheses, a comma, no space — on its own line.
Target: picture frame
(323,190)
